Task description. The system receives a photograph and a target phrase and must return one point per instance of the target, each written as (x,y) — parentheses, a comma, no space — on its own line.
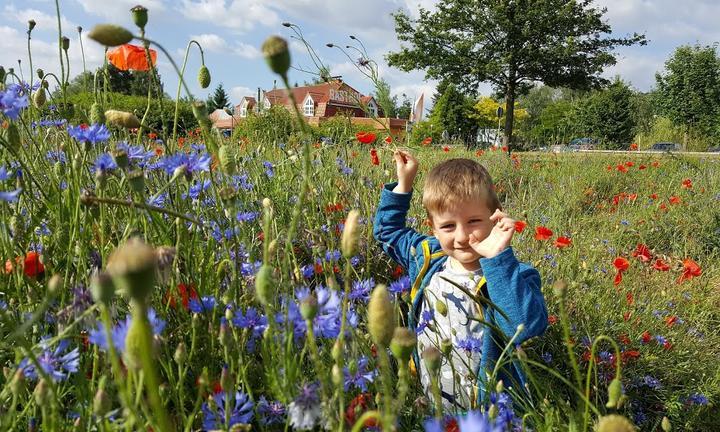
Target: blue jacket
(514,287)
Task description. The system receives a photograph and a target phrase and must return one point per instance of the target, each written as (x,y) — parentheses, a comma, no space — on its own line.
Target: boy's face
(454,226)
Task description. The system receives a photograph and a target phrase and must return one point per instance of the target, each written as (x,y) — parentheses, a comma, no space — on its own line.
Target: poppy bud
(614,423)
(136,179)
(614,393)
(110,35)
(381,316)
(12,135)
(336,351)
(226,379)
(140,16)
(204,76)
(121,158)
(17,385)
(266,202)
(228,312)
(432,358)
(441,307)
(263,284)
(101,403)
(97,115)
(403,344)
(39,98)
(500,387)
(665,424)
(559,288)
(446,347)
(65,42)
(122,119)
(226,155)
(40,73)
(180,354)
(309,307)
(275,50)
(225,335)
(55,284)
(350,235)
(493,411)
(42,393)
(132,266)
(31,25)
(102,288)
(228,195)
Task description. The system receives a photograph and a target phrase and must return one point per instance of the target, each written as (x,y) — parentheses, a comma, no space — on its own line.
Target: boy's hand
(498,239)
(407,167)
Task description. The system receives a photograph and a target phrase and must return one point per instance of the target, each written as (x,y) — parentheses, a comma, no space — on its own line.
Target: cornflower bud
(446,347)
(276,53)
(403,344)
(432,358)
(40,73)
(350,235)
(381,316)
(122,119)
(110,35)
(132,267)
(180,354)
(500,386)
(140,16)
(204,77)
(614,423)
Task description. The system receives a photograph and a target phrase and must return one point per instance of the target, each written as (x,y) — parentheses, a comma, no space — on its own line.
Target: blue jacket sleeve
(515,288)
(389,228)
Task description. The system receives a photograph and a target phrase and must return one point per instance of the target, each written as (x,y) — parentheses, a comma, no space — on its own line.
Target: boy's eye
(475,220)
(448,226)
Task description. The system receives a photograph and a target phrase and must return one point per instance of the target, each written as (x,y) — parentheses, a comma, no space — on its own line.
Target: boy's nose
(462,235)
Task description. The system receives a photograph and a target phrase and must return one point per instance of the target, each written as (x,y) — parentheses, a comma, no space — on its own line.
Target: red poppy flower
(653,196)
(479,153)
(687,183)
(552,319)
(633,146)
(626,316)
(630,355)
(690,270)
(505,149)
(520,226)
(675,200)
(655,164)
(365,137)
(622,168)
(374,159)
(671,320)
(624,339)
(609,168)
(398,272)
(32,266)
(543,233)
(152,135)
(621,264)
(451,425)
(131,57)
(642,167)
(667,346)
(629,164)
(646,337)
(318,268)
(661,265)
(562,242)
(357,407)
(427,141)
(630,298)
(642,252)
(663,207)
(388,139)
(446,149)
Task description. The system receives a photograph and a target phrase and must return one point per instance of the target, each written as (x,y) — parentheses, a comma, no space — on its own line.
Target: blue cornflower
(308,271)
(660,339)
(204,304)
(196,189)
(361,377)
(11,196)
(361,290)
(400,286)
(214,416)
(248,269)
(651,382)
(4,173)
(56,156)
(432,424)
(241,181)
(93,134)
(58,363)
(193,162)
(270,413)
(547,357)
(269,169)
(12,101)
(158,201)
(333,255)
(476,421)
(118,333)
(355,261)
(470,345)
(427,317)
(136,153)
(697,399)
(247,216)
(104,162)
(253,321)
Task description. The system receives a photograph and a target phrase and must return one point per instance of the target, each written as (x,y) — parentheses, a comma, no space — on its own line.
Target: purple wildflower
(270,413)
(58,363)
(360,377)
(201,305)
(697,399)
(400,286)
(214,416)
(193,162)
(104,162)
(93,134)
(305,410)
(12,101)
(118,333)
(470,345)
(361,290)
(11,196)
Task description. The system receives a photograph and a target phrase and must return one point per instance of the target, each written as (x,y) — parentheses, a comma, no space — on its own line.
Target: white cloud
(239,15)
(120,9)
(246,51)
(44,21)
(237,93)
(216,44)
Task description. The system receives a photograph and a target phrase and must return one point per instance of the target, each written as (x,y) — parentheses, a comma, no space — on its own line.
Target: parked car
(583,144)
(666,147)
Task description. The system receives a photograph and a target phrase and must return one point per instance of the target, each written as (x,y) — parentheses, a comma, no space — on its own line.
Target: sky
(232,31)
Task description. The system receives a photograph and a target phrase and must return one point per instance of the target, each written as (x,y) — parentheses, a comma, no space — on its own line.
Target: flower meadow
(212,283)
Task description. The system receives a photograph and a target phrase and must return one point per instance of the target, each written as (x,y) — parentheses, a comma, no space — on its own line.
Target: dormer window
(309,107)
(243,110)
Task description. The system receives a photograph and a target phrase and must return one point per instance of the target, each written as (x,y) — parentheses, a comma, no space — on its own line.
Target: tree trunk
(509,114)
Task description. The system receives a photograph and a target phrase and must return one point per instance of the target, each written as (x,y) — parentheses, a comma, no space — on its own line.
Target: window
(243,110)
(267,103)
(309,107)
(373,109)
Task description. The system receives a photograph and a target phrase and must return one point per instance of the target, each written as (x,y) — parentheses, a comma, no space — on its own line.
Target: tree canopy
(510,44)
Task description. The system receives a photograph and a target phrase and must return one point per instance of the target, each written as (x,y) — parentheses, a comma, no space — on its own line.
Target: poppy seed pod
(204,76)
(97,115)
(140,16)
(122,119)
(350,234)
(101,403)
(403,344)
(275,51)
(441,307)
(31,25)
(40,73)
(263,284)
(65,42)
(132,266)
(226,155)
(39,97)
(614,423)
(381,316)
(432,358)
(110,35)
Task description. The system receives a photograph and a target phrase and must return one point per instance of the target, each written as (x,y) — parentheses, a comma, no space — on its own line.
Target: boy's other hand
(407,167)
(498,239)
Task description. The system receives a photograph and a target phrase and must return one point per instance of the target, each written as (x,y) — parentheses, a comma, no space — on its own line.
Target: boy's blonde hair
(456,181)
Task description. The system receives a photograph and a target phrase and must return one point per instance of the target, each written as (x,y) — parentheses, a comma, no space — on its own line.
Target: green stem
(591,362)
(182,74)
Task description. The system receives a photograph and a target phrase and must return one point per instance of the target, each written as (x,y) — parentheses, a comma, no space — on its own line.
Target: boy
(471,247)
